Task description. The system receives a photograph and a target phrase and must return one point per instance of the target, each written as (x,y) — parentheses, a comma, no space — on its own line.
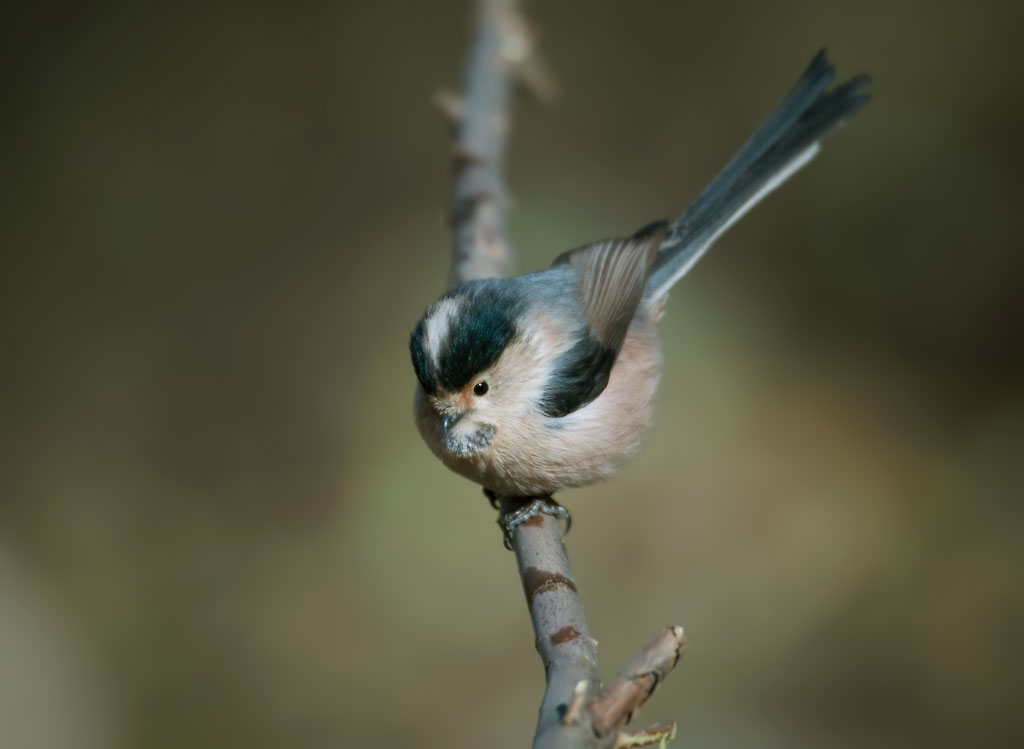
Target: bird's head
(467,351)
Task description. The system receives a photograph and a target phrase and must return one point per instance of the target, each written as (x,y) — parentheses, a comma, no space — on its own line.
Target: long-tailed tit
(531,384)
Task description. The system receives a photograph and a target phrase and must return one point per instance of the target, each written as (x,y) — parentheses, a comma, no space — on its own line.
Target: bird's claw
(510,520)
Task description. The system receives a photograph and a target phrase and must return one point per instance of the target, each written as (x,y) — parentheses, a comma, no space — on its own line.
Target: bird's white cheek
(469,437)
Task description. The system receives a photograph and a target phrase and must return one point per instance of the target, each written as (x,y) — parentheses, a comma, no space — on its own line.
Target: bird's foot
(516,512)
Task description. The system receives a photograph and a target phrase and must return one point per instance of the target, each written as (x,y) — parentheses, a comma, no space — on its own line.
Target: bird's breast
(538,455)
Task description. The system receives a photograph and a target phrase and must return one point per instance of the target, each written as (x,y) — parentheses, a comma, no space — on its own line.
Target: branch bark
(573,713)
(480,249)
(566,648)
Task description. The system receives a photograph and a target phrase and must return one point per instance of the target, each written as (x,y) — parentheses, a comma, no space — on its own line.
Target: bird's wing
(612,276)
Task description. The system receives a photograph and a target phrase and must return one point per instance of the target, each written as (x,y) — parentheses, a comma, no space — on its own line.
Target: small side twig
(614,706)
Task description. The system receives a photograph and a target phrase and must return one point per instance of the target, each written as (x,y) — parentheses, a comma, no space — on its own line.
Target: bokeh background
(217,525)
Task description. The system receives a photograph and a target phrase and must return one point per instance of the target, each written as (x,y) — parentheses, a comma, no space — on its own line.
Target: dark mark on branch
(536,521)
(464,209)
(463,157)
(565,634)
(537,581)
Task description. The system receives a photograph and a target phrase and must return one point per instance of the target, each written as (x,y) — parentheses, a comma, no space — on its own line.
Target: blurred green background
(218,526)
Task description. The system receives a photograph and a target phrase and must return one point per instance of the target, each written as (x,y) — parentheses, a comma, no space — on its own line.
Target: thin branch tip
(521,52)
(615,705)
(659,733)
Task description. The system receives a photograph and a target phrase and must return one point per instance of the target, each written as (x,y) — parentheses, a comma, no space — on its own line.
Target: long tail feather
(784,143)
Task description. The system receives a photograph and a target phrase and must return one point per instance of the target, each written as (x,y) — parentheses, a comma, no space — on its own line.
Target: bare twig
(614,706)
(570,715)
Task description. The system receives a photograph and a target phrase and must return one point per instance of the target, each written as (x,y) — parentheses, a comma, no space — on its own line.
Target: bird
(545,381)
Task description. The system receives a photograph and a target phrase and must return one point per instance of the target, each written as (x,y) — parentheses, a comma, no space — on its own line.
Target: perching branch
(571,714)
(574,712)
(568,652)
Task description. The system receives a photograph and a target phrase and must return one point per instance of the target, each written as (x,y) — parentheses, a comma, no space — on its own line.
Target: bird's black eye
(480,388)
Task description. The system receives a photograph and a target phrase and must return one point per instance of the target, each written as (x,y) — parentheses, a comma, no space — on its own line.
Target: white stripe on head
(438,325)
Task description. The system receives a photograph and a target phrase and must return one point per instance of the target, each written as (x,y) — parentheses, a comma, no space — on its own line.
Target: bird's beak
(449,420)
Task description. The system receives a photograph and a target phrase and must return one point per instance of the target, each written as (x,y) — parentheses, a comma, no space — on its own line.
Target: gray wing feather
(612,278)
